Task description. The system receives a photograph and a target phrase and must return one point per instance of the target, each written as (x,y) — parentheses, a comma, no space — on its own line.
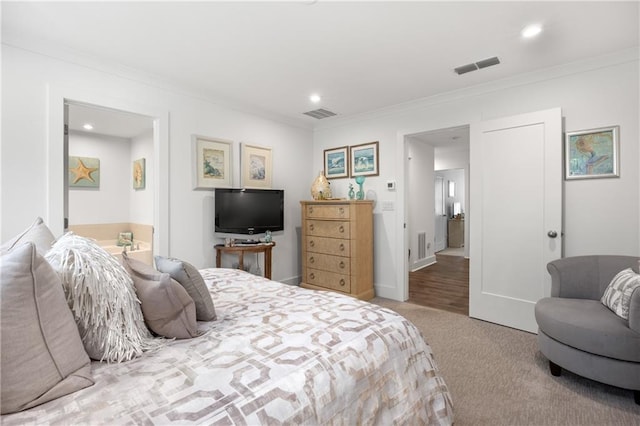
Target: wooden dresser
(337,247)
(456,233)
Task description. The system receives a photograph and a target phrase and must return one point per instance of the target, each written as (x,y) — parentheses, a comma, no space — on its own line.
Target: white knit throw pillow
(102,298)
(617,295)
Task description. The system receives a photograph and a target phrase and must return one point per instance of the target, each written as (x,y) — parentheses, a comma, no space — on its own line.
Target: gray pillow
(189,278)
(38,233)
(167,308)
(42,354)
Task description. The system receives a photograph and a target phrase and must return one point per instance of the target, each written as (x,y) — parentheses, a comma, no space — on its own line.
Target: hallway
(443,285)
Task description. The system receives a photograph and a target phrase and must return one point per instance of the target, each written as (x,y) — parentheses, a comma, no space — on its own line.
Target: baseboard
(423,263)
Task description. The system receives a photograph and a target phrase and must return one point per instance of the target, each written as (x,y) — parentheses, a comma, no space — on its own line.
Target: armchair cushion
(617,296)
(589,326)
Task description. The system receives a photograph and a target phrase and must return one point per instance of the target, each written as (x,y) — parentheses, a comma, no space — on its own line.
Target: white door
(516,215)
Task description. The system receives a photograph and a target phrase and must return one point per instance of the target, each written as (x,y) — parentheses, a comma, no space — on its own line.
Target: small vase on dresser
(337,246)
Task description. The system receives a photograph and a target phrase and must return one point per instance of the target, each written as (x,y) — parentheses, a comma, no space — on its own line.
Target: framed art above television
(212,163)
(255,166)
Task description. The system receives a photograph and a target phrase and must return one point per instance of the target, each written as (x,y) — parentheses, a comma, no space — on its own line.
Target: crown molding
(95,63)
(577,67)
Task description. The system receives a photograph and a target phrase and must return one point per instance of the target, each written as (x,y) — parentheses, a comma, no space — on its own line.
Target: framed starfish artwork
(84,172)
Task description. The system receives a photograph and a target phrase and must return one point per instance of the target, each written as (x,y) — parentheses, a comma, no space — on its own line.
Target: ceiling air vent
(320,113)
(478,65)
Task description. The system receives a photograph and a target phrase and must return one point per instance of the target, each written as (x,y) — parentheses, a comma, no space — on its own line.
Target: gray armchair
(578,333)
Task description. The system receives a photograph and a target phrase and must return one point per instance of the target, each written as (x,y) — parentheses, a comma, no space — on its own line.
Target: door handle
(552,234)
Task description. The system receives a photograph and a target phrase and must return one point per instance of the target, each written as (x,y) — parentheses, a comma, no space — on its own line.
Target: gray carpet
(497,376)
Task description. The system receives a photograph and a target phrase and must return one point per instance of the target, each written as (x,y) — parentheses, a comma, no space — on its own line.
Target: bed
(277,354)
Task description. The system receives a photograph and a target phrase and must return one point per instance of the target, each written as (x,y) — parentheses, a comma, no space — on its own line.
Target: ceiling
(267,58)
(108,122)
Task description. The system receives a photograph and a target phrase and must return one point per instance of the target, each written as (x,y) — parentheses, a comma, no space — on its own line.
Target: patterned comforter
(277,354)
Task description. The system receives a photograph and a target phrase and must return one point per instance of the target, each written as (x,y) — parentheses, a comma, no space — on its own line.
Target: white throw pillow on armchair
(617,295)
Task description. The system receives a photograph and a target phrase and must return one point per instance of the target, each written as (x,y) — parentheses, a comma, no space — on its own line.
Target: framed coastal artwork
(592,153)
(139,174)
(364,159)
(84,172)
(336,162)
(212,163)
(255,166)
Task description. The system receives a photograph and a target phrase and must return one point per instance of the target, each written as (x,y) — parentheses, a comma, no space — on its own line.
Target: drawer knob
(341,264)
(312,243)
(311,260)
(341,247)
(310,210)
(341,210)
(341,229)
(312,276)
(311,227)
(342,283)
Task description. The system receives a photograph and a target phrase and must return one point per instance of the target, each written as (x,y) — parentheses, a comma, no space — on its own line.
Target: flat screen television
(248,211)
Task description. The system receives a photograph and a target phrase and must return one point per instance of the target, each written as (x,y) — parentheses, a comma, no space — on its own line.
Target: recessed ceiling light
(531,31)
(315,98)
(87,127)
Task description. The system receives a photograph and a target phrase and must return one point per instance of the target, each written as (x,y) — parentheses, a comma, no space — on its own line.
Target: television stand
(241,249)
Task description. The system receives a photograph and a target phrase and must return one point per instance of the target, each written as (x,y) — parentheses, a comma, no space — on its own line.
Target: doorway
(116,139)
(450,195)
(443,281)
(57,155)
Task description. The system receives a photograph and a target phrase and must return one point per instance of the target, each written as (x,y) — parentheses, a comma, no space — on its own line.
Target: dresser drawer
(328,280)
(317,211)
(332,246)
(328,228)
(327,262)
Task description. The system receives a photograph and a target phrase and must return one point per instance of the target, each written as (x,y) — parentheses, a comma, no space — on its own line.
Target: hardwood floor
(444,285)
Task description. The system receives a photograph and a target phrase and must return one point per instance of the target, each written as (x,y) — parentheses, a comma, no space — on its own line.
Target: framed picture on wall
(336,163)
(255,166)
(364,159)
(84,172)
(212,163)
(139,174)
(592,153)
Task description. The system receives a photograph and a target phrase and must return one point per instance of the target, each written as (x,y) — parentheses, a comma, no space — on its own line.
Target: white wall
(27,80)
(421,212)
(141,200)
(601,216)
(110,202)
(446,158)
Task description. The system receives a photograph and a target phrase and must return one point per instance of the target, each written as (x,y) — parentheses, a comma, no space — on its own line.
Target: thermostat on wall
(391,185)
